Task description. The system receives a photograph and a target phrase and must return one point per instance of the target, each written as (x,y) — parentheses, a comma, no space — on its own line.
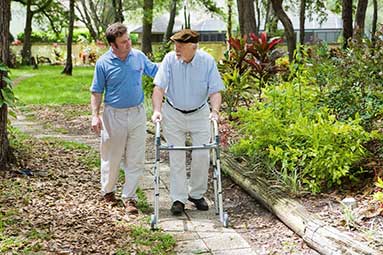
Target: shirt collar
(113,56)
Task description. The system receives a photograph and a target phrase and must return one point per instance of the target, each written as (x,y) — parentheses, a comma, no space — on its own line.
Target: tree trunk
(302,18)
(360,17)
(26,53)
(114,4)
(246,16)
(322,238)
(85,18)
(69,65)
(258,16)
(120,11)
(98,24)
(169,28)
(117,6)
(5,16)
(374,21)
(289,29)
(229,19)
(147,27)
(347,21)
(267,16)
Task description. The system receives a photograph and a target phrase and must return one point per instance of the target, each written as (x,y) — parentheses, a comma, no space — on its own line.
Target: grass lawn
(47,85)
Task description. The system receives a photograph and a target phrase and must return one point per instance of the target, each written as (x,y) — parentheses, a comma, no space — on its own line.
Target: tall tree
(360,17)
(85,18)
(33,7)
(57,16)
(288,25)
(347,21)
(271,20)
(258,14)
(96,15)
(117,6)
(172,17)
(374,20)
(246,16)
(229,18)
(5,16)
(267,15)
(69,65)
(147,21)
(302,19)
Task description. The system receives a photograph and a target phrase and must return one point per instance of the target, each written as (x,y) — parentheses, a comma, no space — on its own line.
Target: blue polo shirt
(121,81)
(188,85)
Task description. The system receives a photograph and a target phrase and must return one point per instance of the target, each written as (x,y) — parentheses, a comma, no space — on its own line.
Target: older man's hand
(157,116)
(214,115)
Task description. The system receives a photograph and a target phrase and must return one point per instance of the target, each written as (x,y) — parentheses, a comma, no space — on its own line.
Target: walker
(215,158)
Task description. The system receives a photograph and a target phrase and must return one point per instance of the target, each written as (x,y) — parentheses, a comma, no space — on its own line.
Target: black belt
(185,111)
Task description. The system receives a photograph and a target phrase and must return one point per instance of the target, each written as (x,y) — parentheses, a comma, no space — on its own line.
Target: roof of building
(332,21)
(208,23)
(201,25)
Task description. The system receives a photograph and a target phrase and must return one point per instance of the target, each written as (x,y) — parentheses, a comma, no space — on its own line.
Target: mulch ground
(50,203)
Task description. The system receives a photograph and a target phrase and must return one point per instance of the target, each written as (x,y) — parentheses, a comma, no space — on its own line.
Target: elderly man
(118,75)
(187,77)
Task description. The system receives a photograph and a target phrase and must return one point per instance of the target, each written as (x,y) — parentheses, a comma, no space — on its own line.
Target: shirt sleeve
(162,77)
(150,68)
(98,83)
(214,79)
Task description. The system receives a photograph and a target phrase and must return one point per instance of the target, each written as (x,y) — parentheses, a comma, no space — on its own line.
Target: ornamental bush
(301,141)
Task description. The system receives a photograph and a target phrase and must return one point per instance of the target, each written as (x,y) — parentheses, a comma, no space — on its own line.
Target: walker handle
(215,130)
(158,128)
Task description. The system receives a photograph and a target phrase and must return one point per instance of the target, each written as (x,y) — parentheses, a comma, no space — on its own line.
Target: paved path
(196,232)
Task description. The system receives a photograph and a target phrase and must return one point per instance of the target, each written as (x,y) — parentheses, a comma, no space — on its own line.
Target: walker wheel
(225,219)
(153,222)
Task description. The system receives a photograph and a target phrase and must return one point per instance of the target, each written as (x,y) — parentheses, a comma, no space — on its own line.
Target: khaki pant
(122,143)
(176,126)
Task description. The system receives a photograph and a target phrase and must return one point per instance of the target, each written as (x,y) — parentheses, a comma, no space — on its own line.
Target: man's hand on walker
(156,117)
(214,115)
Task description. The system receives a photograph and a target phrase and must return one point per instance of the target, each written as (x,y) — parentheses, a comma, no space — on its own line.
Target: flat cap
(185,36)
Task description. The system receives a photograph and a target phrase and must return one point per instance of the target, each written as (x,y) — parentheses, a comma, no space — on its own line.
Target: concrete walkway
(196,232)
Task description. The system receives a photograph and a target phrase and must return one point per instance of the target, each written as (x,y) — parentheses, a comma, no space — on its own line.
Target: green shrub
(51,37)
(299,139)
(134,38)
(351,81)
(81,35)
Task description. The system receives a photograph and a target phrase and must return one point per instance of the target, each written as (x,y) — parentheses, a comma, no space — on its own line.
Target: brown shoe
(131,206)
(110,197)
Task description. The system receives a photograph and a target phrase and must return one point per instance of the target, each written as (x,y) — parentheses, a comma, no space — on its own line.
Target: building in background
(213,28)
